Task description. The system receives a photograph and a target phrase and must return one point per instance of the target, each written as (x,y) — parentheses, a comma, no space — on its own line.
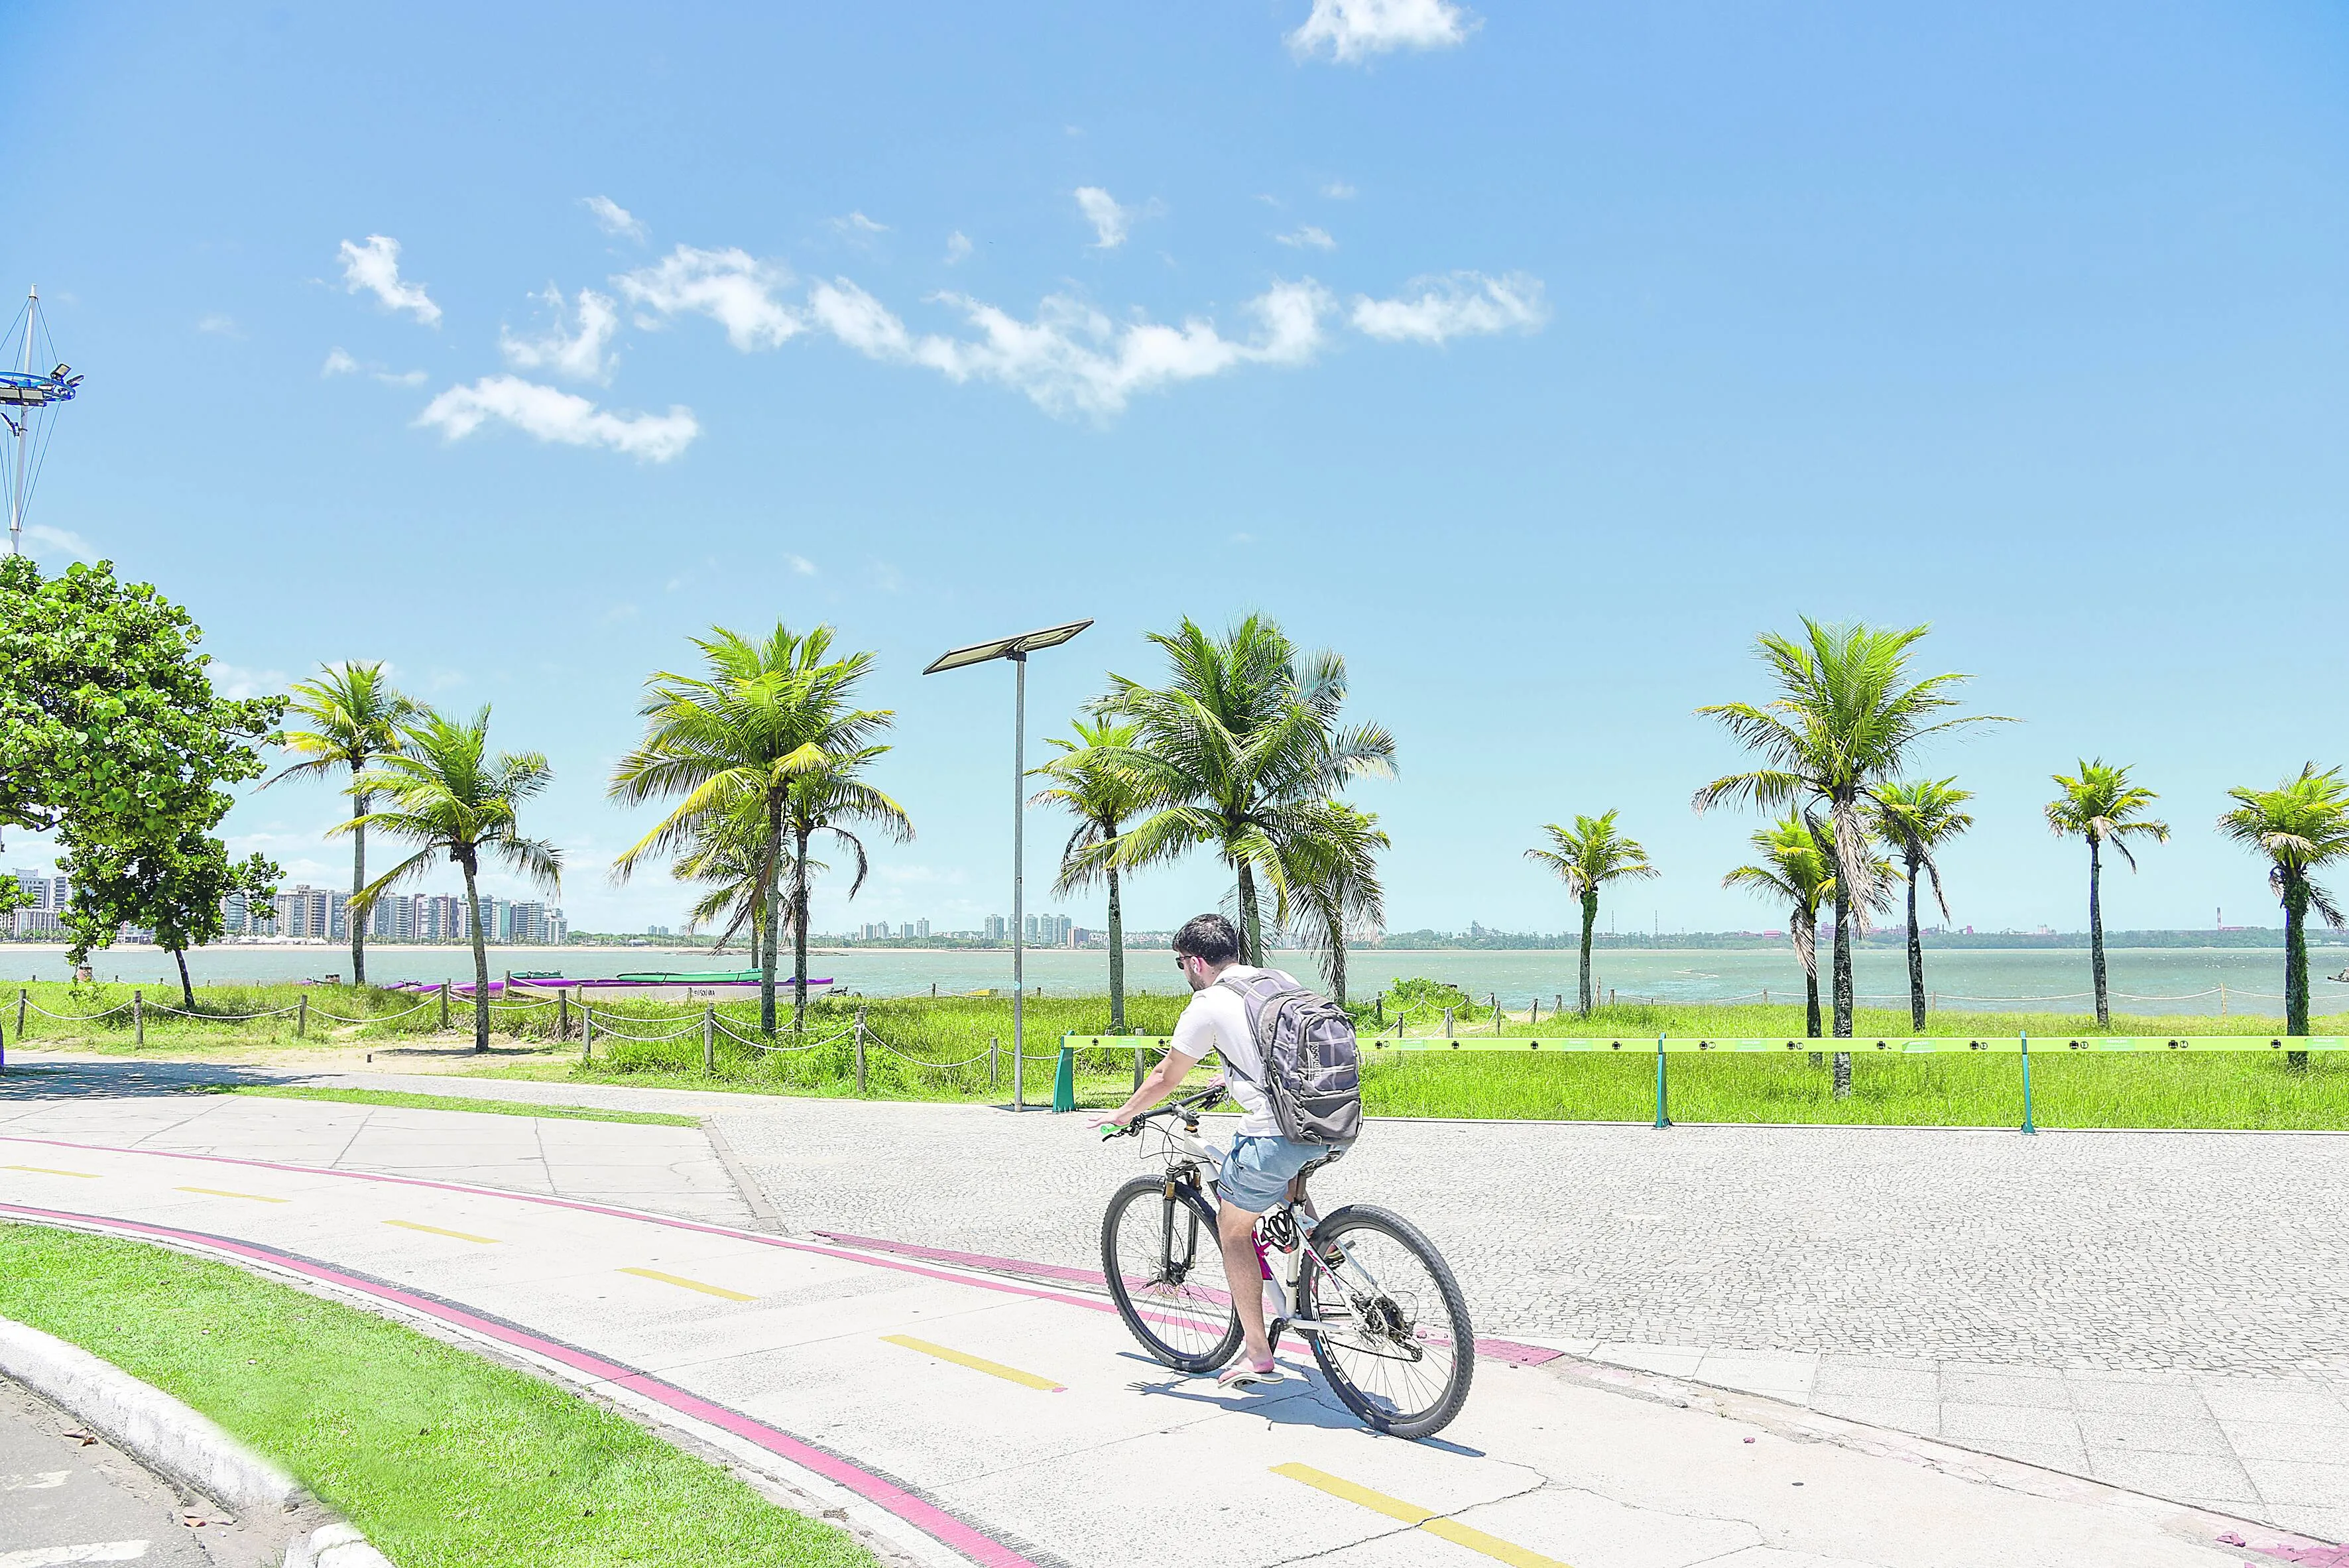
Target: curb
(169,1436)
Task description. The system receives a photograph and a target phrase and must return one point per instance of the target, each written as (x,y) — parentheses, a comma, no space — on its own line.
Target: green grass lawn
(452,1102)
(444,1460)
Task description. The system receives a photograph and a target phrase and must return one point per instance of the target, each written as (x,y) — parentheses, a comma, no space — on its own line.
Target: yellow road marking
(225,1192)
(437,1230)
(45,1171)
(1451,1530)
(717,1290)
(976,1363)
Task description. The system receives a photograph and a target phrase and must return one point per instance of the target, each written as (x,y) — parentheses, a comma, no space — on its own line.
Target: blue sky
(1535,357)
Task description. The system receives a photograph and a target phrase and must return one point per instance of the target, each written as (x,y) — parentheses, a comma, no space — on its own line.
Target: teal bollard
(1661,1119)
(2027,1128)
(1064,1081)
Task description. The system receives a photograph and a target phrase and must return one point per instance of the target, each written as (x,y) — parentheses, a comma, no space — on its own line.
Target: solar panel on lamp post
(1017,650)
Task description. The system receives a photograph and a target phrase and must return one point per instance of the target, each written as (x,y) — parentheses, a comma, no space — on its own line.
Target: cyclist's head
(1209,938)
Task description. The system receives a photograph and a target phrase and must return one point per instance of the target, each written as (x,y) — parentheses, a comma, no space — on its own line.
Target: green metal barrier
(1379,1048)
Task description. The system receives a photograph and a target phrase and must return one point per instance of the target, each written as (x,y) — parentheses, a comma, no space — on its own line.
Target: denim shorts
(1258,1170)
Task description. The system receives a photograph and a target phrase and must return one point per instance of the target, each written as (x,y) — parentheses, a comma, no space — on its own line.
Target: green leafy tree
(174,889)
(1585,858)
(1915,820)
(2300,826)
(444,793)
(1238,752)
(1330,887)
(1846,721)
(1092,782)
(733,743)
(110,733)
(2100,805)
(725,858)
(1793,868)
(354,716)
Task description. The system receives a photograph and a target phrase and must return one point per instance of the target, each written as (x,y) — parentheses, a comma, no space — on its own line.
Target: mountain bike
(1361,1286)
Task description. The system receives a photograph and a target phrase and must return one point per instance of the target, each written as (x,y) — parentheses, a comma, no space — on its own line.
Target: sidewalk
(879,1379)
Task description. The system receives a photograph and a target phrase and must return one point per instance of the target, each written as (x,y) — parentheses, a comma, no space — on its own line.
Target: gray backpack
(1311,1064)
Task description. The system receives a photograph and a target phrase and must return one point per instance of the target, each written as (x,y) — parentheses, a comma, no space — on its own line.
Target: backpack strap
(1257,992)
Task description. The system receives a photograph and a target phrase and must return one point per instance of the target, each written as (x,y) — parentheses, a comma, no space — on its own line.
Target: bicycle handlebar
(1188,1108)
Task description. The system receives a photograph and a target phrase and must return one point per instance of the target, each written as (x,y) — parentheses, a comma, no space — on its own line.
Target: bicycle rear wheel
(1165,1273)
(1395,1341)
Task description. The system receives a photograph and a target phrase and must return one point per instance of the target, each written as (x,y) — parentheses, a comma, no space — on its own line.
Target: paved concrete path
(790,1353)
(63,1500)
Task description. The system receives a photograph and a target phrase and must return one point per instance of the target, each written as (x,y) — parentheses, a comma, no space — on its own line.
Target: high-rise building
(995,928)
(922,929)
(558,929)
(530,925)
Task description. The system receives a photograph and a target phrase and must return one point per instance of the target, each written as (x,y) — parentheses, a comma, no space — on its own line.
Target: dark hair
(1208,936)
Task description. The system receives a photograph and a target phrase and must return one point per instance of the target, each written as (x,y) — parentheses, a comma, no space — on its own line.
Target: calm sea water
(2144,980)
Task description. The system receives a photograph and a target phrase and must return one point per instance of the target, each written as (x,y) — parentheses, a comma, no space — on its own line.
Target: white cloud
(51,542)
(1351,30)
(576,351)
(556,416)
(217,325)
(801,564)
(237,683)
(1464,305)
(728,286)
(957,248)
(1071,358)
(1110,221)
(1306,236)
(616,220)
(339,362)
(375,267)
(857,223)
(1338,191)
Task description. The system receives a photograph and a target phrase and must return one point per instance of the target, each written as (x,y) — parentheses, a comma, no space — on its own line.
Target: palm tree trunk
(1916,958)
(480,962)
(2096,932)
(1338,963)
(359,881)
(1589,921)
(1251,928)
(1806,923)
(1116,956)
(1842,982)
(798,930)
(187,991)
(767,882)
(2295,964)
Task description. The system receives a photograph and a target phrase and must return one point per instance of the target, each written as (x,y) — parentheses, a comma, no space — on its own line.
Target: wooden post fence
(139,1015)
(860,1050)
(709,1039)
(445,985)
(302,1018)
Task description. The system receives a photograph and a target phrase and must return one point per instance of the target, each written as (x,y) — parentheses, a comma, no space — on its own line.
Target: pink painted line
(1508,1350)
(915,1510)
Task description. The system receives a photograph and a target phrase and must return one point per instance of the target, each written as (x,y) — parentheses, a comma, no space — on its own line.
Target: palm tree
(1329,883)
(354,716)
(1915,820)
(1585,858)
(2101,805)
(1794,869)
(1238,751)
(733,742)
(1090,780)
(724,857)
(1845,722)
(822,802)
(449,797)
(2300,825)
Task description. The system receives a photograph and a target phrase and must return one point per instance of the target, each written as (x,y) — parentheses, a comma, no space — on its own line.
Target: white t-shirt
(1217,1020)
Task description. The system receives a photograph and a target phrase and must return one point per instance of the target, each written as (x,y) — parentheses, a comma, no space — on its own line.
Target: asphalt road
(66,1501)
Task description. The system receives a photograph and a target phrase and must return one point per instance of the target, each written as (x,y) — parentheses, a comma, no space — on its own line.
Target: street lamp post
(1017,650)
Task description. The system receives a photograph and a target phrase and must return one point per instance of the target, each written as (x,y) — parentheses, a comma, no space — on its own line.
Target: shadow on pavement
(125,1079)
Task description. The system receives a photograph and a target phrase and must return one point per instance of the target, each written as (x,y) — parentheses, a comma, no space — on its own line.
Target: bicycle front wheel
(1165,1273)
(1394,1340)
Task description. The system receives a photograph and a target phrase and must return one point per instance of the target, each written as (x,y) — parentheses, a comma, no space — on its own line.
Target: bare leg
(1235,1230)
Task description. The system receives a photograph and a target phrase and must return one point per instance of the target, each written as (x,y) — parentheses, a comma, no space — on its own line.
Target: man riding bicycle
(1262,1166)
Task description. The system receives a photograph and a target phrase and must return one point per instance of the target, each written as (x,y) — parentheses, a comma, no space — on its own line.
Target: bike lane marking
(976,1363)
(437,1230)
(719,1291)
(46,1171)
(956,1534)
(225,1192)
(1410,1513)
